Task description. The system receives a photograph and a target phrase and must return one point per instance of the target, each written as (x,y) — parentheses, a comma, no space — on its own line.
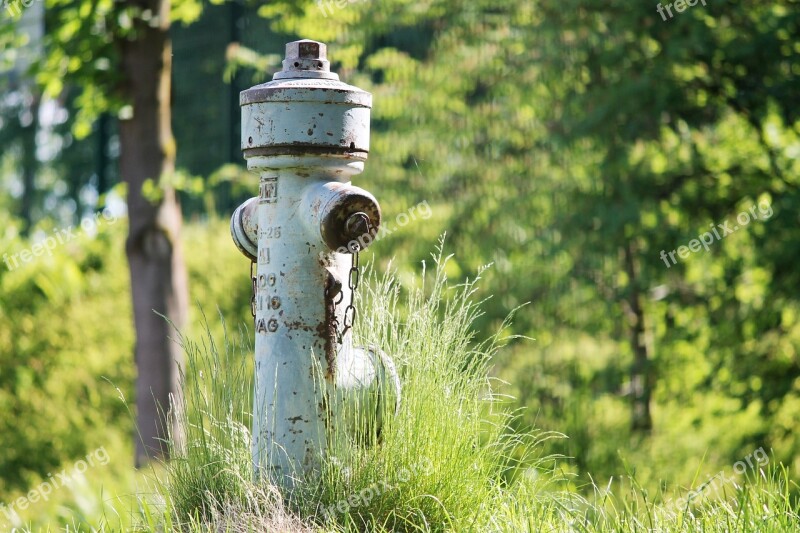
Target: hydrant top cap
(307,49)
(306,77)
(306,59)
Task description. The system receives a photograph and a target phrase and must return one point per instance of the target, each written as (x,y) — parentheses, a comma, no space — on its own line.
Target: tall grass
(443,462)
(211,449)
(446,460)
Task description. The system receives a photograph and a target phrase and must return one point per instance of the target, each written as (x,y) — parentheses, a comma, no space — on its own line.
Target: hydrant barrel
(306,134)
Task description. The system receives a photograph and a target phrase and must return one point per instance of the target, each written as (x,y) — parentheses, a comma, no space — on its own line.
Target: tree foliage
(569,143)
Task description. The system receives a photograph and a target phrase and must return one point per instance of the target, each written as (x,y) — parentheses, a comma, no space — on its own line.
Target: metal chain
(350,311)
(353,279)
(254,282)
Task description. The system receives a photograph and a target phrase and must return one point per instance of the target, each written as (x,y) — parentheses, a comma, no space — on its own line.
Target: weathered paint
(306,134)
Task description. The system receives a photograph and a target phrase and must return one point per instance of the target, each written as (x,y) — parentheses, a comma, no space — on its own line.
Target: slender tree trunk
(641,374)
(29,165)
(158,276)
(102,155)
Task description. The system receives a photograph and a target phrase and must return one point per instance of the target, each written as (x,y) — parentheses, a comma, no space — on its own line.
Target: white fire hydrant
(306,134)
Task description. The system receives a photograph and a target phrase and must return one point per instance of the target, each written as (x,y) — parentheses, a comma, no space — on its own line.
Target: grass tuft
(447,460)
(211,466)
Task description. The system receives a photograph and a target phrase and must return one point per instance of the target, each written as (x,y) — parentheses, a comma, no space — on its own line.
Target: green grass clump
(445,461)
(448,460)
(442,462)
(211,449)
(760,501)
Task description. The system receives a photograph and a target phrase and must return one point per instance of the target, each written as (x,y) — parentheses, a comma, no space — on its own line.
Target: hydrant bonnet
(328,116)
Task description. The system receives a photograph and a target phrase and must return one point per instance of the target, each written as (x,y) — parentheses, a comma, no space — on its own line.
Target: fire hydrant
(306,134)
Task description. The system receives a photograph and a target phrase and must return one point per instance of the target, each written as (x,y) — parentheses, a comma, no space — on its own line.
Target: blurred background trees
(568,143)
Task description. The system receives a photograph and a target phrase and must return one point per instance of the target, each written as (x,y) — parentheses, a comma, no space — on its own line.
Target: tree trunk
(641,374)
(29,163)
(158,275)
(102,156)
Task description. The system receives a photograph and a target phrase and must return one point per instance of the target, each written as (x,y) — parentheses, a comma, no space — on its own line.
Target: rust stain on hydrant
(327,329)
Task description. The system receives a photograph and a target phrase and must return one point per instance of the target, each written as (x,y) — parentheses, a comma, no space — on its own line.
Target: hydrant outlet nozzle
(244,228)
(344,216)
